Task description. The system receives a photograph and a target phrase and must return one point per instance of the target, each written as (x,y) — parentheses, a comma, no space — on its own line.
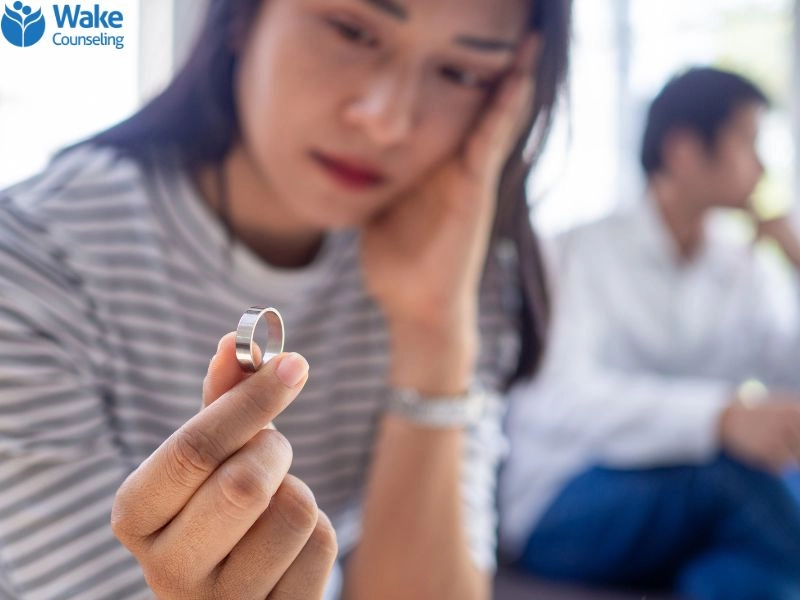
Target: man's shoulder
(599,233)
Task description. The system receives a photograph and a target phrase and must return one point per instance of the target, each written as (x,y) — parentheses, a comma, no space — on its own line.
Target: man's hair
(700,101)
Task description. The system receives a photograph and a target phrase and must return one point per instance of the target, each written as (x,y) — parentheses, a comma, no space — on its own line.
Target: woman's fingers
(224,371)
(219,515)
(214,509)
(293,539)
(502,123)
(163,484)
(308,575)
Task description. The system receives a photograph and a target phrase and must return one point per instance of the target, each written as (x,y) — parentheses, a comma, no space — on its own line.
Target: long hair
(196,114)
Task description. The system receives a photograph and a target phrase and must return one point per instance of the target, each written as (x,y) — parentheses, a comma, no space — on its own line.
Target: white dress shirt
(645,353)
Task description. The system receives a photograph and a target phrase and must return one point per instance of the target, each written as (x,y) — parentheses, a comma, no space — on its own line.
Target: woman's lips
(352,174)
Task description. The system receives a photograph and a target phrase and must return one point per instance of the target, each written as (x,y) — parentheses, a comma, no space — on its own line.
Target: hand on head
(438,233)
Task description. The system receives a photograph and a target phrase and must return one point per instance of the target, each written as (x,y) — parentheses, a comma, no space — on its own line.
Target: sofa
(512,585)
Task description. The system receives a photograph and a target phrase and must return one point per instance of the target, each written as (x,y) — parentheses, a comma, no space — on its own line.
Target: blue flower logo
(21,26)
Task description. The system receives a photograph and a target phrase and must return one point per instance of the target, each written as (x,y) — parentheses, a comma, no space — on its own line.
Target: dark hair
(196,113)
(701,101)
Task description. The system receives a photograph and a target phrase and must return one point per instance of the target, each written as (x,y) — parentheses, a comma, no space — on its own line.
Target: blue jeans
(722,531)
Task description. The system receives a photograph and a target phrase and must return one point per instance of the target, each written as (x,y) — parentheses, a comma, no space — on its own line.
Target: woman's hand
(423,257)
(212,512)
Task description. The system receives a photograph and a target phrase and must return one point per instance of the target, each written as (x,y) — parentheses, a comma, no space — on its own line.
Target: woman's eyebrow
(393,9)
(486,44)
(389,7)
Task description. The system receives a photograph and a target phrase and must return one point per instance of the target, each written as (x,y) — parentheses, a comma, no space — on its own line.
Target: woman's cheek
(451,121)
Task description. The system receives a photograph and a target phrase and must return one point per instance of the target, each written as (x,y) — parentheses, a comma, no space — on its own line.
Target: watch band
(438,412)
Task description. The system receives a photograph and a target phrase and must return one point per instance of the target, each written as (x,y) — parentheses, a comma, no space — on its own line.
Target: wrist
(433,360)
(438,412)
(792,254)
(728,423)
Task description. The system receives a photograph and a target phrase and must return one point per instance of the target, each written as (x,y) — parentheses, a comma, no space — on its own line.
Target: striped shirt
(116,283)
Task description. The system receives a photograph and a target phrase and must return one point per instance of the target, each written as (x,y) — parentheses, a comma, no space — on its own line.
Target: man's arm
(626,417)
(773,333)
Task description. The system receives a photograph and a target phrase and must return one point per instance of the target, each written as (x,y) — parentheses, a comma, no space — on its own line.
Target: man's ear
(683,151)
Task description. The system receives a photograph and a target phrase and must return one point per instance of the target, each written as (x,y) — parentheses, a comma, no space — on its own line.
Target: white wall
(51,96)
(623,52)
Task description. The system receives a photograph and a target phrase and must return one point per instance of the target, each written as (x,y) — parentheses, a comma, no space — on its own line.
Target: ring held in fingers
(245,333)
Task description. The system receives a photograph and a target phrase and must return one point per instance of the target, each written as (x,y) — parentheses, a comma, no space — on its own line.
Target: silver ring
(246,330)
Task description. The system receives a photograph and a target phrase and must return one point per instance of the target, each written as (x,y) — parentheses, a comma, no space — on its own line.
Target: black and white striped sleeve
(486,442)
(60,465)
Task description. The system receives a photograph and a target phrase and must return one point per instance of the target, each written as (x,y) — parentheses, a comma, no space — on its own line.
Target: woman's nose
(387,108)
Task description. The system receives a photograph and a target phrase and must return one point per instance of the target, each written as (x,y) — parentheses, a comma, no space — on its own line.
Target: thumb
(224,371)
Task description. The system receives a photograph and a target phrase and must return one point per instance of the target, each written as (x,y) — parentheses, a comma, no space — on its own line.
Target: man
(636,459)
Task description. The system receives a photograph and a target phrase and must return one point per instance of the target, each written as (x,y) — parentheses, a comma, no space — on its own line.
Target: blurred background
(623,52)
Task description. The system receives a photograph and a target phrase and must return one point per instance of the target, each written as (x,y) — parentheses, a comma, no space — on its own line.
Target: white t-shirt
(116,283)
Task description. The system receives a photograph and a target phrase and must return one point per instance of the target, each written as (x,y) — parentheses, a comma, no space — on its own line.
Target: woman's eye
(465,78)
(353,33)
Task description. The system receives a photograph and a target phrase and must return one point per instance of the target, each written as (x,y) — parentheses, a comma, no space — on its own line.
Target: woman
(357,164)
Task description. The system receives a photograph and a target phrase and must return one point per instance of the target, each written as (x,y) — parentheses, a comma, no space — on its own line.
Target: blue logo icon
(22,26)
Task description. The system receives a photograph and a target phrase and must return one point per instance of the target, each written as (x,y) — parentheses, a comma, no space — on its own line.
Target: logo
(21,25)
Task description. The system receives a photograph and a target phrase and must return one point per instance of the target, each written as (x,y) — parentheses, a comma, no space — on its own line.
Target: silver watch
(438,412)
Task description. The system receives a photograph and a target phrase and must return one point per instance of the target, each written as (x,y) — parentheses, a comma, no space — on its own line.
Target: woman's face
(344,104)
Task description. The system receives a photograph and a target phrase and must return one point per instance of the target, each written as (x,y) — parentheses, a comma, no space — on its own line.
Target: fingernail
(291,369)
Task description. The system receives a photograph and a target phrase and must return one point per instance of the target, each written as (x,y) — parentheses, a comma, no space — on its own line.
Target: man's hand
(781,231)
(766,435)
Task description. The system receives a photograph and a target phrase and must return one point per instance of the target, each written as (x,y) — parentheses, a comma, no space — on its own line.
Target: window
(624,51)
(51,96)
